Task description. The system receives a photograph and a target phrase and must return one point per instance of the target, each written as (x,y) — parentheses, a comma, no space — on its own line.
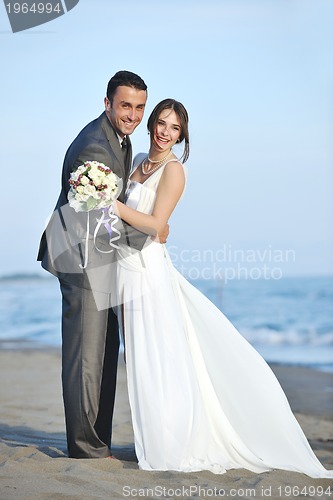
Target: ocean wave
(268,336)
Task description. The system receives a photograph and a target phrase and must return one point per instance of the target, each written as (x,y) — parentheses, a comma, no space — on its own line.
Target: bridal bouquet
(92,186)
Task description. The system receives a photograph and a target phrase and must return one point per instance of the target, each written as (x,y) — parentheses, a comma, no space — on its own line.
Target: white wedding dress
(201,397)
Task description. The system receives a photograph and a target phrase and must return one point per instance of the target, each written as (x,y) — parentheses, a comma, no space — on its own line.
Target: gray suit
(90,339)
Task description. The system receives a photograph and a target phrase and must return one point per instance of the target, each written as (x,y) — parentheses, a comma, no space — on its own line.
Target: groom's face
(126,110)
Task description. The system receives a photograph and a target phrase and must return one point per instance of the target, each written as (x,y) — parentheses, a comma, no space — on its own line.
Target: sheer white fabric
(201,397)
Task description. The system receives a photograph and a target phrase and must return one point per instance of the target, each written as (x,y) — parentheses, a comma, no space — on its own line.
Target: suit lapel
(113,141)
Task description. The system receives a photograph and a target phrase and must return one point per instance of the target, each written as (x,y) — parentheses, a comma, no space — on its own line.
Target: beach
(34,464)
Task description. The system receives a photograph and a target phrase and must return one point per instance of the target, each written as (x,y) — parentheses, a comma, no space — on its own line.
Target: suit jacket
(64,242)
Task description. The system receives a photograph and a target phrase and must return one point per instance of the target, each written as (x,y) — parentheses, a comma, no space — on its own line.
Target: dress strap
(172,159)
(159,172)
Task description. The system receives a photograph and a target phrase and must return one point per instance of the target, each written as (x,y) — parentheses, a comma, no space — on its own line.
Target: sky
(256,77)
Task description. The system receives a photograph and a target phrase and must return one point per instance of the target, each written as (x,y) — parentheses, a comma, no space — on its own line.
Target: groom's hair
(127,79)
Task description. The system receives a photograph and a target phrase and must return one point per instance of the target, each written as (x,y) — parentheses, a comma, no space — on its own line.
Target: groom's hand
(163,235)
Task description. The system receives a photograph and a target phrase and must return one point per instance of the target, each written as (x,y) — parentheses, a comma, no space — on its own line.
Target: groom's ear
(107,104)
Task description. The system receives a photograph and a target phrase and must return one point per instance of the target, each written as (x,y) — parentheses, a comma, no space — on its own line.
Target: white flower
(75,175)
(89,190)
(112,178)
(84,180)
(111,186)
(96,176)
(81,197)
(80,189)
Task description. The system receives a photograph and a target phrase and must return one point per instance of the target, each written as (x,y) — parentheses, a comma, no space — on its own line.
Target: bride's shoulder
(174,169)
(174,164)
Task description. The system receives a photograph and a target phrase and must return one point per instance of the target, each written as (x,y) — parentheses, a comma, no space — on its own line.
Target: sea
(288,320)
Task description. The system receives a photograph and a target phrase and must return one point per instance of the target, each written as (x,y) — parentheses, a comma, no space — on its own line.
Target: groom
(90,340)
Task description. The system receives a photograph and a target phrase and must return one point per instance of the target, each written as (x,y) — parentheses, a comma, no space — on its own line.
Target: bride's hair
(181,112)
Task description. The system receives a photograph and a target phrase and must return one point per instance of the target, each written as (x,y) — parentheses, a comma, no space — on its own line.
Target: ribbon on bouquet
(109,220)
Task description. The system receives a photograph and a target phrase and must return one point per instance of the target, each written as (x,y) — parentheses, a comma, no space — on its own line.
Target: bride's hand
(163,235)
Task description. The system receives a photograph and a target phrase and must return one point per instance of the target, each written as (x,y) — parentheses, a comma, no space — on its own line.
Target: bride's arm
(169,191)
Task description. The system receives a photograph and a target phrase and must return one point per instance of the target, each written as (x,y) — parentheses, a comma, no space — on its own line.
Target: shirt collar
(120,139)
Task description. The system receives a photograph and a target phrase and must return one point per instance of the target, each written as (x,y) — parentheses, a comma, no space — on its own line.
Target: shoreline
(22,345)
(33,442)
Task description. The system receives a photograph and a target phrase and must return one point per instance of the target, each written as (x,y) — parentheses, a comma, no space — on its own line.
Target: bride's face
(167,130)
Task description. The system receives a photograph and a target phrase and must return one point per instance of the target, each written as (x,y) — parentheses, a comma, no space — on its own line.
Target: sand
(33,457)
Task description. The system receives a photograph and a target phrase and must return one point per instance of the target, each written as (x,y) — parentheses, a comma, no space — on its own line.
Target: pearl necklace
(159,163)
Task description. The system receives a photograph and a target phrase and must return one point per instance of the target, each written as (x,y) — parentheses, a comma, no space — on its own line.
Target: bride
(201,397)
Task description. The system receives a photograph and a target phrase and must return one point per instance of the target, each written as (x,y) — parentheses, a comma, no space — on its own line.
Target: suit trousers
(90,345)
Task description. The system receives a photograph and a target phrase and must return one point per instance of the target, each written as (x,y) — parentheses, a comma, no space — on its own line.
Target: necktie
(124,147)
